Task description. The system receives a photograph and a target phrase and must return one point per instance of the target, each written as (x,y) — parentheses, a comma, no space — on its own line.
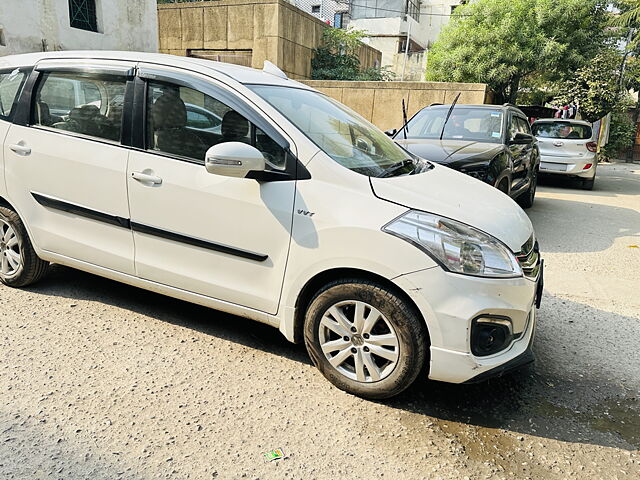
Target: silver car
(567,147)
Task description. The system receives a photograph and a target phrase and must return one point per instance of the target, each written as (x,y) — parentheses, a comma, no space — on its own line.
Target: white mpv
(250,193)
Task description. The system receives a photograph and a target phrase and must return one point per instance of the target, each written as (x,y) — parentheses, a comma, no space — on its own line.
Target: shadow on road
(593,227)
(541,401)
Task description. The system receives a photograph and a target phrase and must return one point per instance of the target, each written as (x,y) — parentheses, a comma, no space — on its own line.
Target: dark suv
(489,142)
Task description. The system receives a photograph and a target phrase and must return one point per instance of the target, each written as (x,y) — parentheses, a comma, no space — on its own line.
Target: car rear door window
(83,104)
(11,83)
(184,122)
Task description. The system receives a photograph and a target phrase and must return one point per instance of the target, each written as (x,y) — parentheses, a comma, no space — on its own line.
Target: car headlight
(458,247)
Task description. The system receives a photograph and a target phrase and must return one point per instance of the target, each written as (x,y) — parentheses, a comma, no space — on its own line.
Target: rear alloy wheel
(365,338)
(19,264)
(527,198)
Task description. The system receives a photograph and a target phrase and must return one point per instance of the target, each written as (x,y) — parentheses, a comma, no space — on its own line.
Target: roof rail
(435,104)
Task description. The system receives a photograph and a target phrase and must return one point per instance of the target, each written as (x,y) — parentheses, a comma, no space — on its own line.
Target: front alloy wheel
(365,337)
(358,341)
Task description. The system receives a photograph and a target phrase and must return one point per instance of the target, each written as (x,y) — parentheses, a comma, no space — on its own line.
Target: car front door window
(184,122)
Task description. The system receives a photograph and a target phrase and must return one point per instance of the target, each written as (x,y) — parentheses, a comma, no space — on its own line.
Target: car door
(222,237)
(520,154)
(66,166)
(12,81)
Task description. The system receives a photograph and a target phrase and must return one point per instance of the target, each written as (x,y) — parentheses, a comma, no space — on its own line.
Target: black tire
(409,327)
(587,183)
(31,268)
(527,198)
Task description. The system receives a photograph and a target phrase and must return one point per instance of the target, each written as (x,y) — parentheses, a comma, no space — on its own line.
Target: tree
(507,43)
(595,87)
(337,57)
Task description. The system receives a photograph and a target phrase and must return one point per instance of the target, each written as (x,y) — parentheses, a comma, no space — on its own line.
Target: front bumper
(449,302)
(569,165)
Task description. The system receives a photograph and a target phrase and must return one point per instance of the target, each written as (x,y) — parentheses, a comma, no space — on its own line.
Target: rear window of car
(11,83)
(565,130)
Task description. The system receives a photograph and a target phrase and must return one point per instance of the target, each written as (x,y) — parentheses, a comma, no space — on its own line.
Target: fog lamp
(490,334)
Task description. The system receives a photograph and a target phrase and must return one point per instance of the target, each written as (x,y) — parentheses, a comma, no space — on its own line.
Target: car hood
(448,193)
(450,151)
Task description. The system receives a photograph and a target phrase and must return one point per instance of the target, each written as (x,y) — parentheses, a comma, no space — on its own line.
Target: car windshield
(465,123)
(566,130)
(341,133)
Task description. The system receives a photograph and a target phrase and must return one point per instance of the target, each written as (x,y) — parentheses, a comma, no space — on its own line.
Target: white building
(391,24)
(332,12)
(42,25)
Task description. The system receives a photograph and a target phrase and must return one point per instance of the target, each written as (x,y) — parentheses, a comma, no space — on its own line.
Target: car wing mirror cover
(234,159)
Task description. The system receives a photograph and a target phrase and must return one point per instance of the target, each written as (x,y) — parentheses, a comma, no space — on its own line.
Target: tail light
(592,146)
(587,166)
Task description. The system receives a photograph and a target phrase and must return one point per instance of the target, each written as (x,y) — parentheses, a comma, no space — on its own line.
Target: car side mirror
(234,159)
(391,132)
(521,139)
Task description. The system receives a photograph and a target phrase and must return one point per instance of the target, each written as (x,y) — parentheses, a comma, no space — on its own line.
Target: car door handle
(20,149)
(146,178)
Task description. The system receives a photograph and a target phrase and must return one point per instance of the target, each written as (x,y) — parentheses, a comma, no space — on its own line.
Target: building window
(82,14)
(413,9)
(315,8)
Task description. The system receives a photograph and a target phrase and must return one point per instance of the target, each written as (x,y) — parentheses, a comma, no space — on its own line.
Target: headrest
(168,111)
(84,113)
(234,125)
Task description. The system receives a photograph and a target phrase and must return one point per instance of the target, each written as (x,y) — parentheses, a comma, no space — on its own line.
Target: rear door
(12,81)
(66,166)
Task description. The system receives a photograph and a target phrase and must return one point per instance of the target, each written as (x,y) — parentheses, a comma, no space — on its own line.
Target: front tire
(19,264)
(365,338)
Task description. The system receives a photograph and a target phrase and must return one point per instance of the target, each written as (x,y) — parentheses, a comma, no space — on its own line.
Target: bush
(622,133)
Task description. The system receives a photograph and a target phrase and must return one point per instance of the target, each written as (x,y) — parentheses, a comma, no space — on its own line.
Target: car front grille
(529,258)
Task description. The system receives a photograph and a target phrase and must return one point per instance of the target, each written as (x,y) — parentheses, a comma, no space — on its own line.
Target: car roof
(244,75)
(563,120)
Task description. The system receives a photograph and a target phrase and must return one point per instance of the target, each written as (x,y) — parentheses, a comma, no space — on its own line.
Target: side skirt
(160,288)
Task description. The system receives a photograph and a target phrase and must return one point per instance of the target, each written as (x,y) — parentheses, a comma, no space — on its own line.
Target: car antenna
(404,119)
(449,114)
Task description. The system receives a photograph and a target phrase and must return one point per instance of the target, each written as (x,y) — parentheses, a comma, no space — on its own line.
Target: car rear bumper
(584,166)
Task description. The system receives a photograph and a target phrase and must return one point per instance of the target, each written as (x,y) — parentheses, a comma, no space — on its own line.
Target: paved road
(104,381)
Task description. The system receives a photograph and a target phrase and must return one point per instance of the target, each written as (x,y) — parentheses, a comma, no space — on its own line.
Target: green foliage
(595,87)
(503,43)
(622,133)
(337,58)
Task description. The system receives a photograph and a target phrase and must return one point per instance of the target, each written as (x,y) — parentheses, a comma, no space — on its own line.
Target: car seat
(169,117)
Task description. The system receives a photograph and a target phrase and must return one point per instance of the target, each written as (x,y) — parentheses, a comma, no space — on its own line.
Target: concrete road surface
(103,381)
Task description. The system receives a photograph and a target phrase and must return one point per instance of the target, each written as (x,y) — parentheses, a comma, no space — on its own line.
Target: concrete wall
(37,25)
(273,30)
(381,102)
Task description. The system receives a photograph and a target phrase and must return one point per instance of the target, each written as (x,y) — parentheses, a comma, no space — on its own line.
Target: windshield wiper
(444,125)
(387,172)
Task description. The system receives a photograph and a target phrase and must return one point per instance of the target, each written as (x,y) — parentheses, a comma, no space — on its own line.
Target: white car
(298,213)
(567,147)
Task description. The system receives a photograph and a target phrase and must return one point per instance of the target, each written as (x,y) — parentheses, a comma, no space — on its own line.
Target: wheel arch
(320,279)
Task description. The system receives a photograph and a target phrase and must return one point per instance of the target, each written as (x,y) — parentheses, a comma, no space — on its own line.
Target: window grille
(82,14)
